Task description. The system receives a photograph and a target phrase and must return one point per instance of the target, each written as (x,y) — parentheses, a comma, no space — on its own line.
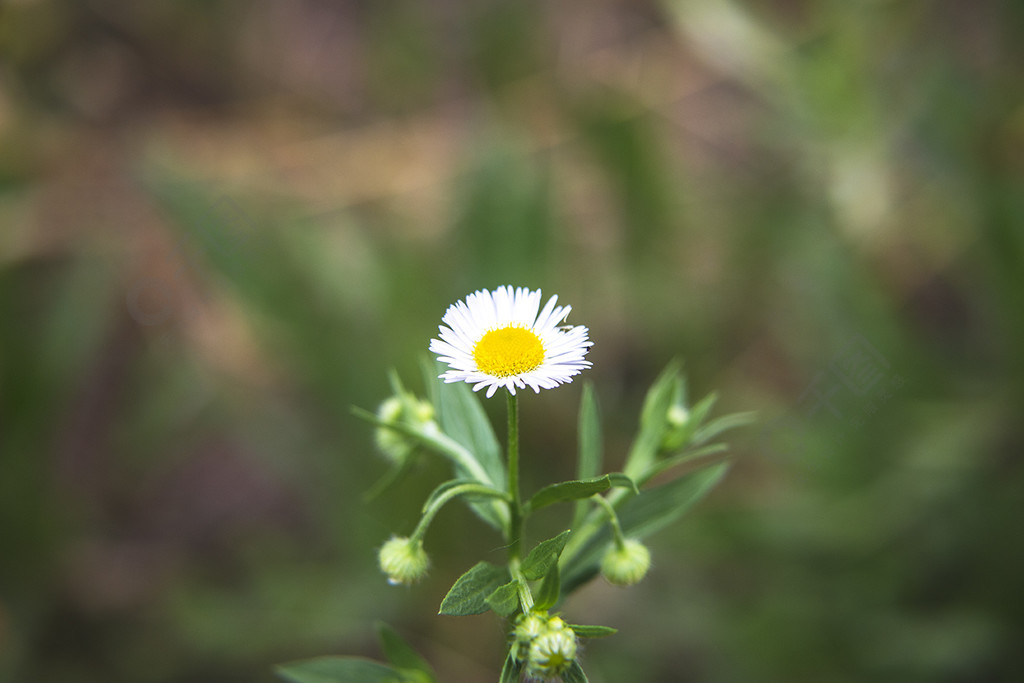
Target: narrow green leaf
(722,424)
(547,595)
(401,655)
(689,456)
(511,670)
(574,674)
(469,594)
(576,490)
(588,465)
(505,599)
(463,419)
(652,422)
(655,508)
(585,631)
(544,554)
(338,670)
(622,481)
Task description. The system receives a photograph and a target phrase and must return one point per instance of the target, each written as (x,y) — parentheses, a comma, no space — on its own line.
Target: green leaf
(547,595)
(505,599)
(574,674)
(511,670)
(652,422)
(338,670)
(656,508)
(722,424)
(585,631)
(689,456)
(462,418)
(401,655)
(590,448)
(577,489)
(469,594)
(538,562)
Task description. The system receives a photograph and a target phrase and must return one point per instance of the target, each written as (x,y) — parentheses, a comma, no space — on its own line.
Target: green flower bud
(677,416)
(418,414)
(528,627)
(627,565)
(677,427)
(552,652)
(403,560)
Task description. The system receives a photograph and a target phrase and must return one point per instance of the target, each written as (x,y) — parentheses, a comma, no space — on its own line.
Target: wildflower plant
(503,340)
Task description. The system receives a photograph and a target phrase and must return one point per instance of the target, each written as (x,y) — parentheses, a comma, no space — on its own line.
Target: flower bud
(403,560)
(552,652)
(528,627)
(627,565)
(677,416)
(415,413)
(677,427)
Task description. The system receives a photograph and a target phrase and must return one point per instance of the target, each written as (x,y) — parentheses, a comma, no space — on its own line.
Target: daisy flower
(499,339)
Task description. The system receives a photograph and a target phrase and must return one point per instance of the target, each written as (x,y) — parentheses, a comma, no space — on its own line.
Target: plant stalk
(515,525)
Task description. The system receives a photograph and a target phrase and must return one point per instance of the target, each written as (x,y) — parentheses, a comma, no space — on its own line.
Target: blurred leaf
(590,456)
(652,424)
(655,508)
(574,674)
(469,593)
(722,424)
(506,221)
(538,562)
(584,631)
(511,670)
(688,456)
(401,655)
(339,670)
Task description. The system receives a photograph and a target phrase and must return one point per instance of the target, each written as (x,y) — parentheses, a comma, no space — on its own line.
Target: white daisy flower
(498,339)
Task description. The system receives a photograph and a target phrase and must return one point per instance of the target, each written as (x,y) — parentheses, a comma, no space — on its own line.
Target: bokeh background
(223,222)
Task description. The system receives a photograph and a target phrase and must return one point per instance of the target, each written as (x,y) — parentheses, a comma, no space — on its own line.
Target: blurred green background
(223,222)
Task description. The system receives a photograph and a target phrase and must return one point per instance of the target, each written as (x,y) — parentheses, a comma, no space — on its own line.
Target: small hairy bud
(403,560)
(627,565)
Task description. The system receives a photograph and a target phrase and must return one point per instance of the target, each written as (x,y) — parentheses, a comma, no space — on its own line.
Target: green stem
(440,501)
(620,542)
(592,524)
(515,525)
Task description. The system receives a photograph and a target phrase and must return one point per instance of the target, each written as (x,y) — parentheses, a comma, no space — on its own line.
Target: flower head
(628,564)
(403,560)
(552,652)
(503,339)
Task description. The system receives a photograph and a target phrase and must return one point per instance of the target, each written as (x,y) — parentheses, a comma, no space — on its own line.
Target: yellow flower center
(508,351)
